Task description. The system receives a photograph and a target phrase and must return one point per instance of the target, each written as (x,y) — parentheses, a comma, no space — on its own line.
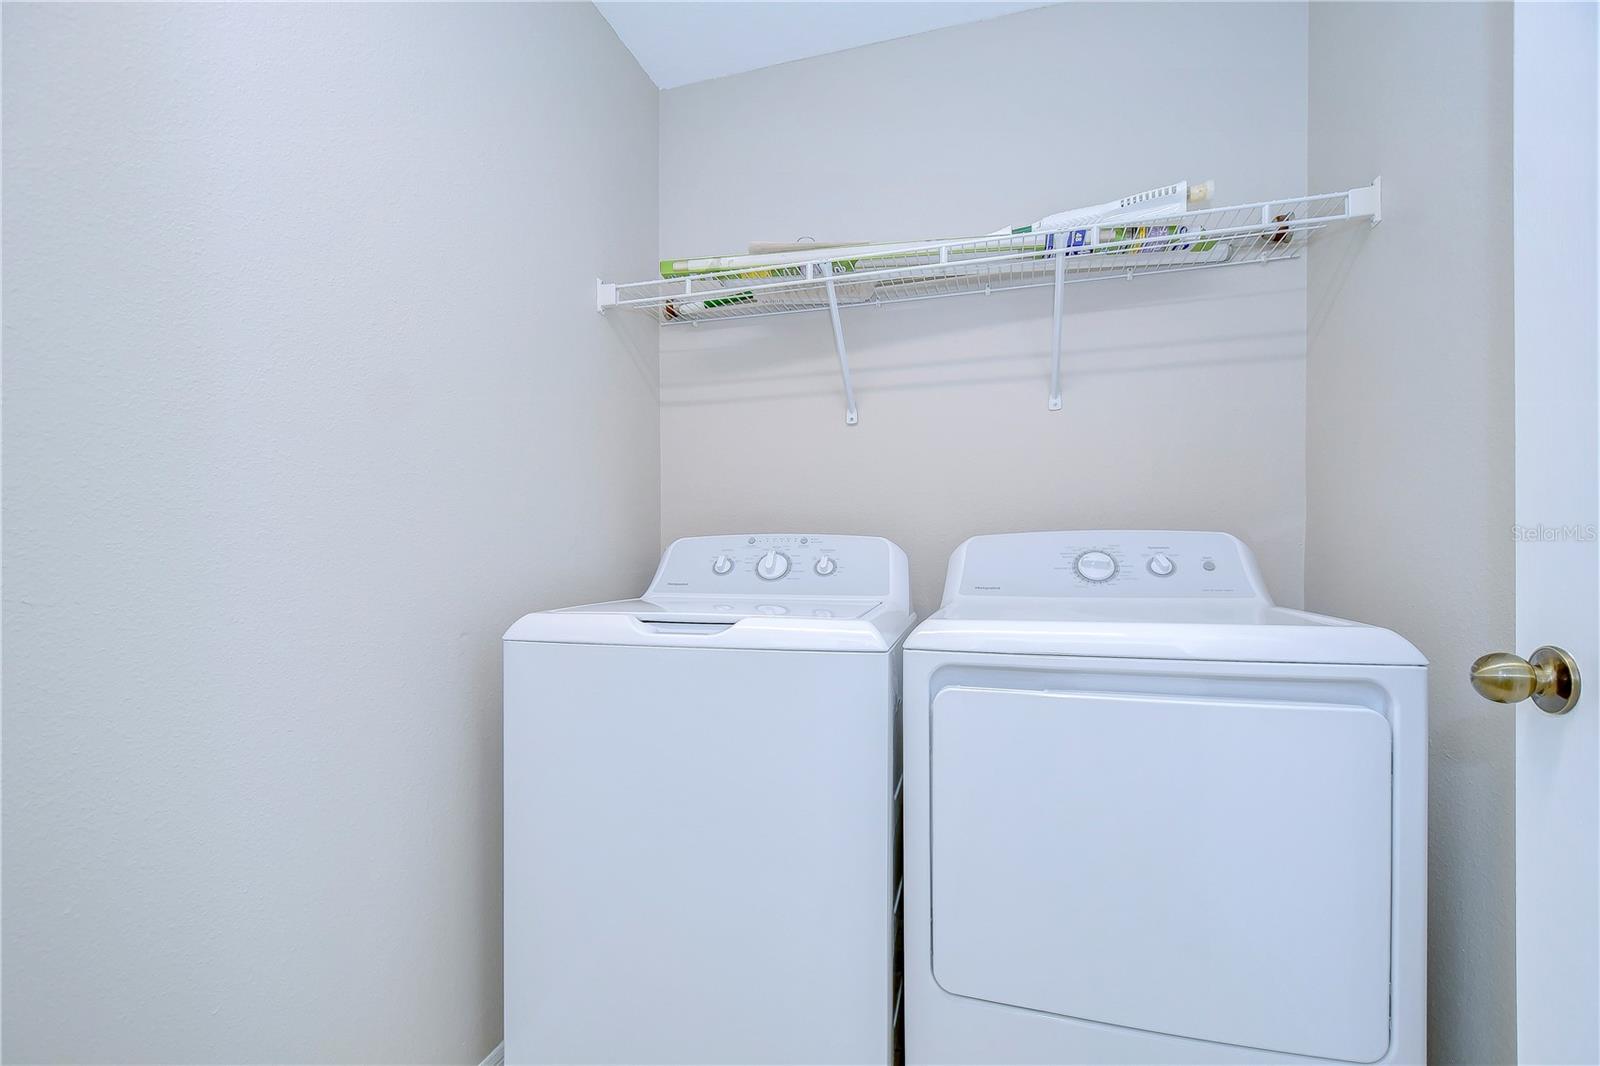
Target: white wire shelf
(833,279)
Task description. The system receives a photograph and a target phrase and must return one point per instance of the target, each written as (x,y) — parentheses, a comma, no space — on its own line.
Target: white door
(1557,512)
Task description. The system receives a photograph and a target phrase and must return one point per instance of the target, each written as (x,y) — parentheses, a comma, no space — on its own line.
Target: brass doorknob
(1548,675)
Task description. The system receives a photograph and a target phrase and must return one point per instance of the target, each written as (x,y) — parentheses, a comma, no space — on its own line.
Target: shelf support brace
(1055,332)
(850,417)
(1368,201)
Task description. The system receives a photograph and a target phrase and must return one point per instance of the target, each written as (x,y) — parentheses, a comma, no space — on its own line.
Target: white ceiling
(679,43)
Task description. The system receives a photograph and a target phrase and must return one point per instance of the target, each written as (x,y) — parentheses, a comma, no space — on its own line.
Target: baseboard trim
(497,1057)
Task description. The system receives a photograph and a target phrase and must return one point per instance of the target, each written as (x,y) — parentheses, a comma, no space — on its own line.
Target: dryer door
(1198,865)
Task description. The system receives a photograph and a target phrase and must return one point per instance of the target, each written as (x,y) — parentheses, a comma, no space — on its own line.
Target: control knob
(1096,566)
(772,566)
(1161,565)
(722,564)
(825,566)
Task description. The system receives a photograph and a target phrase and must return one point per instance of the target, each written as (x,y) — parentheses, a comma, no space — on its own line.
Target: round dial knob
(772,565)
(825,566)
(1096,566)
(1160,565)
(721,565)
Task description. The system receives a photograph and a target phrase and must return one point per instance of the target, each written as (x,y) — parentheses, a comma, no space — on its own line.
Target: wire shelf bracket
(850,415)
(1055,333)
(840,278)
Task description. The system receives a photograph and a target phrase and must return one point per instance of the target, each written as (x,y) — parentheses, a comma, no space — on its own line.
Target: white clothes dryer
(1151,817)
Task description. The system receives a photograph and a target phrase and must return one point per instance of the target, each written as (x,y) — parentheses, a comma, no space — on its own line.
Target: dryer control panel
(787,564)
(1106,564)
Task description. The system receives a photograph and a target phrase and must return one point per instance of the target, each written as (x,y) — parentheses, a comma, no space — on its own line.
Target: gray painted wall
(1184,395)
(305,401)
(289,436)
(1409,438)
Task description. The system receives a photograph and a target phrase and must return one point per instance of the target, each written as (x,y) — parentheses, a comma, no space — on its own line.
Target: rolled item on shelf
(775,247)
(767,260)
(843,258)
(1161,202)
(732,302)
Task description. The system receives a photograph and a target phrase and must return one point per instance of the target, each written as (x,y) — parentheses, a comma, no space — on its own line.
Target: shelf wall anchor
(1055,332)
(850,417)
(1368,201)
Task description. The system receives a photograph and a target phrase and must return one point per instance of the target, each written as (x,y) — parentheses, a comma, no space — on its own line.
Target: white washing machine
(701,811)
(1152,818)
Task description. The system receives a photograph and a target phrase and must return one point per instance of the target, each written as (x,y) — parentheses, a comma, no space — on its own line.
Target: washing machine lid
(774,624)
(1147,594)
(791,592)
(689,611)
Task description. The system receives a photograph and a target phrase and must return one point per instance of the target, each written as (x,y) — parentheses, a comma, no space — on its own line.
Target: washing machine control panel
(795,564)
(1108,564)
